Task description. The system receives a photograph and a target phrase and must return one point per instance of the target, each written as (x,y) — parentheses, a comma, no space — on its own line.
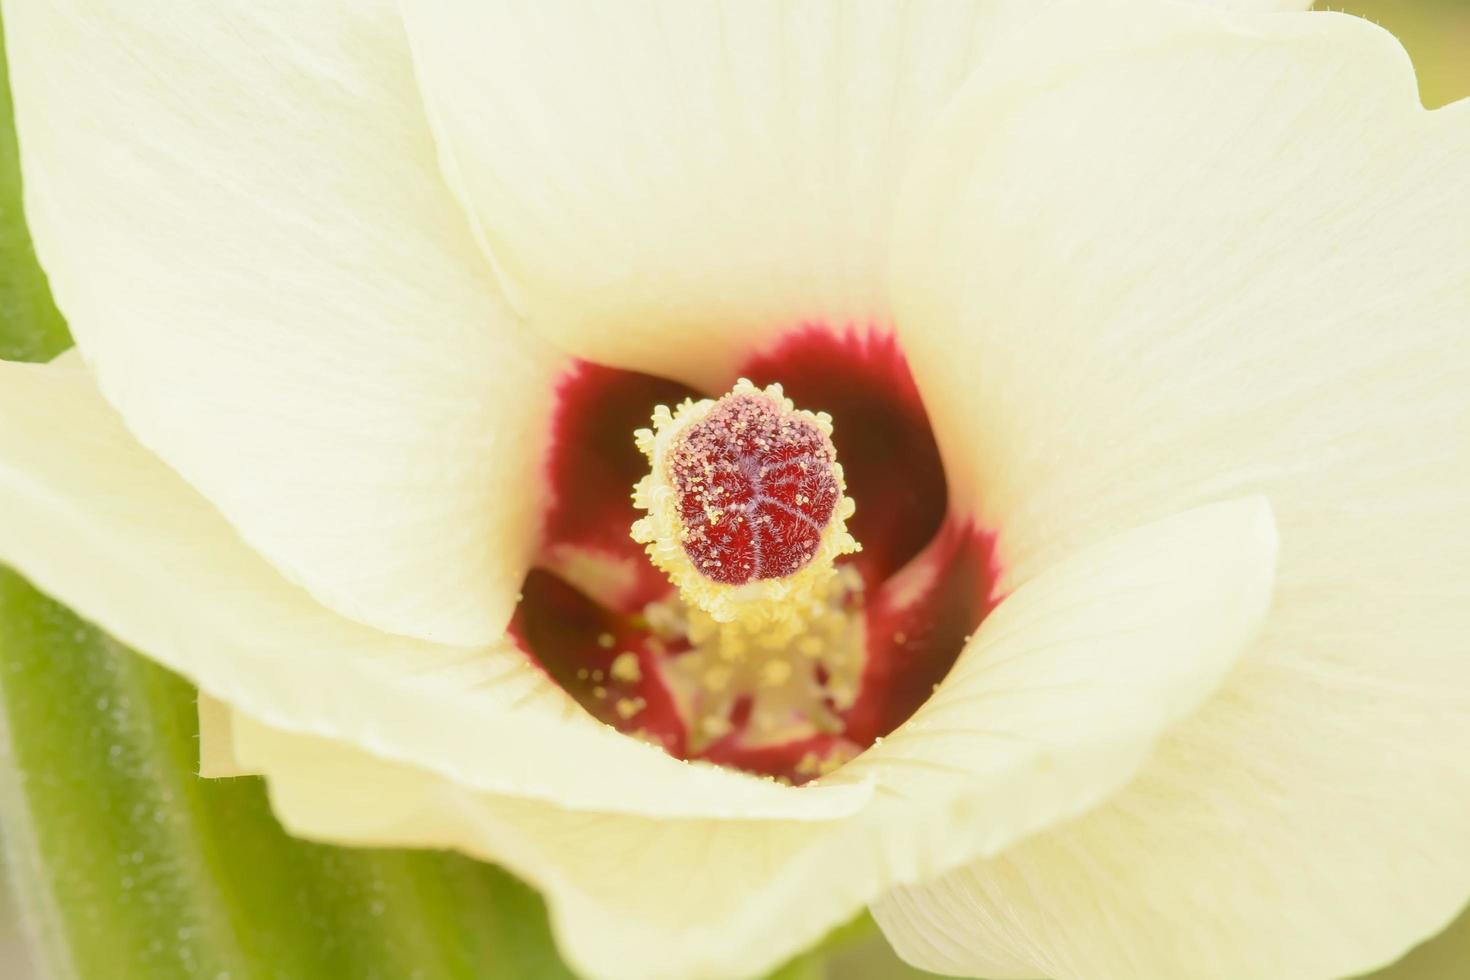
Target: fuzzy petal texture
(1185,255)
(241,212)
(97,521)
(1057,702)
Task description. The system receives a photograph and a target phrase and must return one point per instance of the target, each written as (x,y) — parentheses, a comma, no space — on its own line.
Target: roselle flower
(972,363)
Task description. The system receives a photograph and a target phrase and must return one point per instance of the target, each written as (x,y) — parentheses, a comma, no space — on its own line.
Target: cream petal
(240,209)
(1180,256)
(1059,700)
(665,187)
(1255,5)
(1086,665)
(217,756)
(94,519)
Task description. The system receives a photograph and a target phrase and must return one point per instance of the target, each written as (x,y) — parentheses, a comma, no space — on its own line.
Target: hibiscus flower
(1049,426)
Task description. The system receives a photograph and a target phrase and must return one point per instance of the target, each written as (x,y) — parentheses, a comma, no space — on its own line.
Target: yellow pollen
(796,686)
(625,668)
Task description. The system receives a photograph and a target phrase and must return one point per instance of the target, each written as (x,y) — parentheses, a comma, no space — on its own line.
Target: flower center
(743,626)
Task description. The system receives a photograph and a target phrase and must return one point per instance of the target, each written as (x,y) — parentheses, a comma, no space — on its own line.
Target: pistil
(747,508)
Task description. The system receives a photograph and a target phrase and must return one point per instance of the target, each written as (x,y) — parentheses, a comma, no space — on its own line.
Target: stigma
(746,507)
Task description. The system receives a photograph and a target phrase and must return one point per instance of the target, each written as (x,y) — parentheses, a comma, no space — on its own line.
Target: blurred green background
(492,917)
(1437,35)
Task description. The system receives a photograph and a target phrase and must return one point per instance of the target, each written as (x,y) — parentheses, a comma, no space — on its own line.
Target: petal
(95,520)
(1059,700)
(217,756)
(666,186)
(1257,5)
(1176,257)
(1089,661)
(241,213)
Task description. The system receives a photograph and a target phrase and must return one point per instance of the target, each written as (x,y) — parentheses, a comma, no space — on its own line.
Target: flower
(1168,283)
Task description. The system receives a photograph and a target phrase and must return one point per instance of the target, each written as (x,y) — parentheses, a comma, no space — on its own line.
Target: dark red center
(756,490)
(928,578)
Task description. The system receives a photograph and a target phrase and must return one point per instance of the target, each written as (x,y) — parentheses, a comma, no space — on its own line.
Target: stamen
(746,506)
(792,687)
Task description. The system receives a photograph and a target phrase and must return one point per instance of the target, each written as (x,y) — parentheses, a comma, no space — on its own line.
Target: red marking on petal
(784,761)
(889,458)
(578,642)
(917,623)
(592,465)
(756,490)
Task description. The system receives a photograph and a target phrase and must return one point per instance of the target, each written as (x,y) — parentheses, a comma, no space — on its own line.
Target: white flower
(1159,270)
